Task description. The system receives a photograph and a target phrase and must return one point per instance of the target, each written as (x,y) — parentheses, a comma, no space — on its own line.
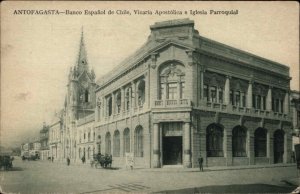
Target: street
(47,177)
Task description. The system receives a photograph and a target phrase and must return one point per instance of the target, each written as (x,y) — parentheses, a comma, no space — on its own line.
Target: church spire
(82,63)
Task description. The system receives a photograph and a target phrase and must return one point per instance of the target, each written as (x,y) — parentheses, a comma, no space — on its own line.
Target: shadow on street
(12,169)
(250,188)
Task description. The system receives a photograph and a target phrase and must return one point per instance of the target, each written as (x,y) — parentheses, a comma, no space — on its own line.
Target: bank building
(180,96)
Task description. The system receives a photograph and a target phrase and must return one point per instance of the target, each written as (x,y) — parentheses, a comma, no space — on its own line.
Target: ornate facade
(180,96)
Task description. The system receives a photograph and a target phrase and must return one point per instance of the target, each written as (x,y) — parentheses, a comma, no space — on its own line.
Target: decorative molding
(153,60)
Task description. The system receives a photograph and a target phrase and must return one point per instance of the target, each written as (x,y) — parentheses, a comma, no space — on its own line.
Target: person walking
(68,161)
(83,159)
(200,161)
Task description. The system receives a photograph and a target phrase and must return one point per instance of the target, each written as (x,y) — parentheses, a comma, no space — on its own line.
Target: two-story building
(182,95)
(55,139)
(44,137)
(295,111)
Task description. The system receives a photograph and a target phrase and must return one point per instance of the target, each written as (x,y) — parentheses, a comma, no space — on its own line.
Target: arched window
(172,79)
(127,98)
(118,102)
(88,152)
(126,141)
(108,143)
(109,106)
(116,146)
(89,136)
(84,152)
(214,140)
(239,136)
(141,93)
(278,146)
(79,153)
(260,142)
(213,87)
(138,142)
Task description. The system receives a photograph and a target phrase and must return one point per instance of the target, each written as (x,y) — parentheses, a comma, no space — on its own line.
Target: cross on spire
(82,63)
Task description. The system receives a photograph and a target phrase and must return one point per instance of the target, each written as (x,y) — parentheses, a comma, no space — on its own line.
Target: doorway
(278,146)
(172,150)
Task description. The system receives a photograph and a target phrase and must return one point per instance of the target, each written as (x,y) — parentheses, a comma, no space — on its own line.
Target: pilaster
(187,145)
(249,95)
(227,91)
(269,100)
(156,146)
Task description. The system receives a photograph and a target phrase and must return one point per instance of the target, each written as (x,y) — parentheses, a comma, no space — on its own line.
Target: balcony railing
(172,103)
(245,110)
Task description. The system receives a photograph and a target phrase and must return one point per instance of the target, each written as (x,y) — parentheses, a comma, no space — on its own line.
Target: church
(178,97)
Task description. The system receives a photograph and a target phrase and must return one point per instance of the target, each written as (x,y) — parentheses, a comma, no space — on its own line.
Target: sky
(37,51)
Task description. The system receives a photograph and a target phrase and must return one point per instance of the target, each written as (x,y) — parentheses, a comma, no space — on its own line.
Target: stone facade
(295,111)
(192,96)
(55,140)
(180,96)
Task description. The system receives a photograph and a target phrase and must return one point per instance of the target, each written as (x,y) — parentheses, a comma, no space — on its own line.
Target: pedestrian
(52,158)
(83,159)
(293,157)
(68,161)
(200,161)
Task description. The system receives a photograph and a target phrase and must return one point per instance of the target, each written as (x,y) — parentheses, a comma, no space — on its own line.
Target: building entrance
(278,146)
(172,143)
(172,150)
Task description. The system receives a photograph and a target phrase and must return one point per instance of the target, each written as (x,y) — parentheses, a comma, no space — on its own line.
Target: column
(105,109)
(286,103)
(268,144)
(228,148)
(122,99)
(201,81)
(271,148)
(286,155)
(251,153)
(249,95)
(269,100)
(217,94)
(241,98)
(153,84)
(156,146)
(187,145)
(133,95)
(113,103)
(178,91)
(122,144)
(146,79)
(165,92)
(227,91)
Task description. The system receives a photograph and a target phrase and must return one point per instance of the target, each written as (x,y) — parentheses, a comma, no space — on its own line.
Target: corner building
(182,95)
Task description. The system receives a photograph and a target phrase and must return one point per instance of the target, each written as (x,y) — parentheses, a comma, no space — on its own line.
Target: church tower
(81,98)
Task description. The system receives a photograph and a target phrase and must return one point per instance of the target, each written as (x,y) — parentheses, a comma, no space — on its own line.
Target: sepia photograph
(149,97)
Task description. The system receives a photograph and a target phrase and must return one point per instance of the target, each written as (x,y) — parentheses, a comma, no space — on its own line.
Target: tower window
(86,96)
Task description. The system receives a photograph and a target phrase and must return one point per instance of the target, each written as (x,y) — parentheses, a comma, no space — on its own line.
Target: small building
(44,140)
(55,139)
(295,111)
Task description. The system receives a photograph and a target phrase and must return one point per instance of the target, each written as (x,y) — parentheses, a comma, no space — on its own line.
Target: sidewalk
(214,168)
